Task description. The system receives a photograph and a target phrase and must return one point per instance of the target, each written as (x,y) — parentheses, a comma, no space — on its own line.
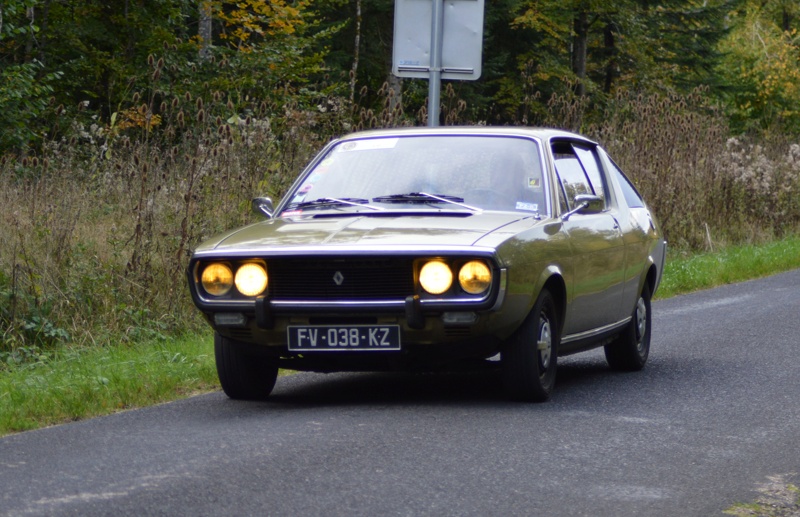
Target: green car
(421,249)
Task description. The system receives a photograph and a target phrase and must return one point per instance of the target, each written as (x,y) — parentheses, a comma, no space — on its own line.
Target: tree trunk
(611,57)
(786,20)
(356,47)
(579,49)
(30,13)
(204,31)
(396,86)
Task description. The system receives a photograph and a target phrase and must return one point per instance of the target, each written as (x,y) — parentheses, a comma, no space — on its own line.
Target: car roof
(544,134)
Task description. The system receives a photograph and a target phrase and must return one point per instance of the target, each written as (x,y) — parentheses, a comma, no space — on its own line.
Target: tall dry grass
(98,226)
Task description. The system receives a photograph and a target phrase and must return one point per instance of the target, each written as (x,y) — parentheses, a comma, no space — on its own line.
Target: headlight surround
(251,279)
(435,277)
(475,277)
(217,279)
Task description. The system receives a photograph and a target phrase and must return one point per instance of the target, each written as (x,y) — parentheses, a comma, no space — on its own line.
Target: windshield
(452,172)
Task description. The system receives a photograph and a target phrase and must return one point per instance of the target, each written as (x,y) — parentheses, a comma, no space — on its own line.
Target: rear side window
(632,197)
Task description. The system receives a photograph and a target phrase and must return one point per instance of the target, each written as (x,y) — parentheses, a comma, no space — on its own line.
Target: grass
(685,273)
(81,383)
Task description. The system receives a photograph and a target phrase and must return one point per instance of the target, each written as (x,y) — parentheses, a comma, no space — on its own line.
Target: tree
(25,88)
(762,67)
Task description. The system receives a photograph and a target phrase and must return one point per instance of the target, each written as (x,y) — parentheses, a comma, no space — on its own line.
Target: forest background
(131,130)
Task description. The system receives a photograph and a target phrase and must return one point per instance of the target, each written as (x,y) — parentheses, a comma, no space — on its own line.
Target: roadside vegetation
(686,272)
(42,388)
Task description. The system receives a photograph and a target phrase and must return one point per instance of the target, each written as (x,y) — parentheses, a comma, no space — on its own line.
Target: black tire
(530,356)
(243,376)
(629,351)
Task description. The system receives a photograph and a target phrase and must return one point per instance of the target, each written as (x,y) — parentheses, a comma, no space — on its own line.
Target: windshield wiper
(332,201)
(424,197)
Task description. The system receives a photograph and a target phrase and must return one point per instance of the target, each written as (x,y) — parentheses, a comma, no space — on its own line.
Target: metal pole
(435,81)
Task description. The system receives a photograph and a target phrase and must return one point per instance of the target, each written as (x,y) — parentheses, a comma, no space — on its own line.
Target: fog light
(459,318)
(229,319)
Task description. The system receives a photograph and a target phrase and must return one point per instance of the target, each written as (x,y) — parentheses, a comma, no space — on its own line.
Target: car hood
(417,230)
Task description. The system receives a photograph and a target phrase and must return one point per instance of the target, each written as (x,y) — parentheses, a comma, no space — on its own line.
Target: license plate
(326,338)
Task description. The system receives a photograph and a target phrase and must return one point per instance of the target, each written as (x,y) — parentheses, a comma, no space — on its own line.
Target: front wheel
(530,355)
(629,351)
(243,376)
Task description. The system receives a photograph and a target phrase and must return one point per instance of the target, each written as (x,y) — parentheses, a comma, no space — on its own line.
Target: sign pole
(435,81)
(452,50)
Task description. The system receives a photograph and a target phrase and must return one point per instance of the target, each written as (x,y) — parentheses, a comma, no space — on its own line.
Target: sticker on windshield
(368,144)
(534,183)
(530,207)
(324,165)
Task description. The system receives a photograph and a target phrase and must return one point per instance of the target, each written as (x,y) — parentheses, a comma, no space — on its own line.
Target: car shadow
(481,386)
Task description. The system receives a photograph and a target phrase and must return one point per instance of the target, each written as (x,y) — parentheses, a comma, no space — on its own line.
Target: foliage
(24,98)
(762,67)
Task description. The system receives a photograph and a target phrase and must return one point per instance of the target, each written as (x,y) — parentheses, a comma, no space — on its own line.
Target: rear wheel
(629,351)
(243,375)
(530,355)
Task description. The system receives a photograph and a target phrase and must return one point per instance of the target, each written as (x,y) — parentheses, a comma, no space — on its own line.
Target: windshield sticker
(530,207)
(291,213)
(368,144)
(324,165)
(534,183)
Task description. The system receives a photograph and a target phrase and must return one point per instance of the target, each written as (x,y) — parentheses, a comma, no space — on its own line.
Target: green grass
(84,383)
(76,384)
(685,273)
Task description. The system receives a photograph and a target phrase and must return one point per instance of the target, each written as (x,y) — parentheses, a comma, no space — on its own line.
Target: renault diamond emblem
(338,278)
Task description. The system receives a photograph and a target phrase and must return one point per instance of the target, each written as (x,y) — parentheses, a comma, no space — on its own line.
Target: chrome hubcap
(641,323)
(545,342)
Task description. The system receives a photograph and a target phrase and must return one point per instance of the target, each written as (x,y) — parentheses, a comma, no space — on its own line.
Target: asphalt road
(715,413)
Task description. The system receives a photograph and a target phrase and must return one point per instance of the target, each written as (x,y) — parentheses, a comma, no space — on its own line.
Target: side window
(570,172)
(588,159)
(632,197)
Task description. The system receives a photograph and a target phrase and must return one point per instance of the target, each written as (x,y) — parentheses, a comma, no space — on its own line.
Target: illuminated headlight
(217,279)
(435,277)
(251,279)
(475,277)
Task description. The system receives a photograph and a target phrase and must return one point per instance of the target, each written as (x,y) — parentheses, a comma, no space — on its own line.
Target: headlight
(251,279)
(217,279)
(475,277)
(436,277)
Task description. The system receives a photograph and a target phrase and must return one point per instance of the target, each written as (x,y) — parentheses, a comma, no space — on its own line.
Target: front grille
(340,279)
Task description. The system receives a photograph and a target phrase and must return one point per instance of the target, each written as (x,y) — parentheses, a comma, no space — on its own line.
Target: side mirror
(589,204)
(263,206)
(585,204)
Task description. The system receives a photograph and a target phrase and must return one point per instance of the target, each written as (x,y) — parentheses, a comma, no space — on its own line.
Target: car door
(596,241)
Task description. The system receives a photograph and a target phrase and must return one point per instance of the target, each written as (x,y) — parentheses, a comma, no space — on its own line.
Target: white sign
(462,41)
